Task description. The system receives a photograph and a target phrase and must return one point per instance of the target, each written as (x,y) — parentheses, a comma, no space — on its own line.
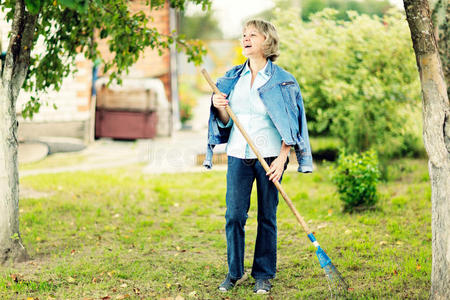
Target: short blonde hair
(270,45)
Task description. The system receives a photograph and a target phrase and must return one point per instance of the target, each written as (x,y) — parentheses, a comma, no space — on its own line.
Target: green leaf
(33,6)
(78,5)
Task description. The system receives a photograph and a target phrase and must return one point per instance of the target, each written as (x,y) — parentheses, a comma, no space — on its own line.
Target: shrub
(325,148)
(188,100)
(358,78)
(356,177)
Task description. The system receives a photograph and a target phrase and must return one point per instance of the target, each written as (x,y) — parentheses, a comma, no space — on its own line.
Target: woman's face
(251,42)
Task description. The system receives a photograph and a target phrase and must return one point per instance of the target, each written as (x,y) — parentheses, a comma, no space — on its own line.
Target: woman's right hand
(220,101)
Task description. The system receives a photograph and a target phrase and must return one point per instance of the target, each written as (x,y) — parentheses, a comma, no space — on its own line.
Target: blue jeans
(240,176)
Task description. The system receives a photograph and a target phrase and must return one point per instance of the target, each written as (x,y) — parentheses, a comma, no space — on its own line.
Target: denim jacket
(282,97)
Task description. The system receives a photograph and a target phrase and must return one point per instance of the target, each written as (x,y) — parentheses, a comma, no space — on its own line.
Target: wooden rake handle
(258,155)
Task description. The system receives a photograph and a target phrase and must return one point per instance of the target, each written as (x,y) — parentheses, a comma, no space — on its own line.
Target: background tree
(436,134)
(67,28)
(358,77)
(370,7)
(310,7)
(441,22)
(194,27)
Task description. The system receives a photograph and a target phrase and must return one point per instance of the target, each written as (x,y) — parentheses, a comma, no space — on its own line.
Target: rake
(335,280)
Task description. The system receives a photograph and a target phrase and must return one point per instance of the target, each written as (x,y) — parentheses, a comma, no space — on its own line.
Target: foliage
(238,57)
(119,232)
(356,177)
(200,26)
(310,7)
(325,148)
(188,100)
(70,27)
(370,7)
(358,78)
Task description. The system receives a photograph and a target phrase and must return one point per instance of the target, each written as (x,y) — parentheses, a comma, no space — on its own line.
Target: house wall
(73,116)
(150,64)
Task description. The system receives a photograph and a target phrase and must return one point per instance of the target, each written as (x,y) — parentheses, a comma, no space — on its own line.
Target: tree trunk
(441,22)
(14,72)
(436,134)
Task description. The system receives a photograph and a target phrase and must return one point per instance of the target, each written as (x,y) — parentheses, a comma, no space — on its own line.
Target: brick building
(76,105)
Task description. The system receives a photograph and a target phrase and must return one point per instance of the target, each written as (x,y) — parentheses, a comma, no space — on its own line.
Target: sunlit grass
(120,232)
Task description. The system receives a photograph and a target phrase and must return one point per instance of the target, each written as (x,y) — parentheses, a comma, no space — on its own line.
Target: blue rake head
(335,279)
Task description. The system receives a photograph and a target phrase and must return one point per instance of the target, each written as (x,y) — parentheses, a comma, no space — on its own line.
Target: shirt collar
(261,72)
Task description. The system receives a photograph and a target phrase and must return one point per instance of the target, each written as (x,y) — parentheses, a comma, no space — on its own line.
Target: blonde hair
(270,45)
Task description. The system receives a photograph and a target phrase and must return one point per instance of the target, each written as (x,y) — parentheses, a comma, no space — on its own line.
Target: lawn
(123,234)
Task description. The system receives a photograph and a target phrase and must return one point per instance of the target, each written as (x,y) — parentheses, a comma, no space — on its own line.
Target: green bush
(358,77)
(325,148)
(356,178)
(188,100)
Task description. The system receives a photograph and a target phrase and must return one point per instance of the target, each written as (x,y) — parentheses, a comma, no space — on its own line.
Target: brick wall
(150,64)
(73,100)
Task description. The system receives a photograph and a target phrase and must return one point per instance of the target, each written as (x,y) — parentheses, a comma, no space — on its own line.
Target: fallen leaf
(106,298)
(123,296)
(15,277)
(323,225)
(114,290)
(94,280)
(192,294)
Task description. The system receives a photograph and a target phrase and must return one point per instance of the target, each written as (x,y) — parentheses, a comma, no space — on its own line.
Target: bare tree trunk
(14,72)
(441,21)
(436,134)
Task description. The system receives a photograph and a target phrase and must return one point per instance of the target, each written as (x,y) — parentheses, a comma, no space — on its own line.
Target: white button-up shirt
(245,102)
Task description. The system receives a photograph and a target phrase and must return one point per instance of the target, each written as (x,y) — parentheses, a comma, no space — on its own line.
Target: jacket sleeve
(303,150)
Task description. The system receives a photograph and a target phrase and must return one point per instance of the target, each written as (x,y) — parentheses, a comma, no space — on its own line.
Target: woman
(267,101)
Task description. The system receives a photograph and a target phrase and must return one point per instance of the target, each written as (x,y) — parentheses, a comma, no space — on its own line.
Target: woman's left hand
(277,168)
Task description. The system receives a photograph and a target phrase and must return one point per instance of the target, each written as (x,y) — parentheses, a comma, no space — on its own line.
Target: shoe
(262,286)
(230,283)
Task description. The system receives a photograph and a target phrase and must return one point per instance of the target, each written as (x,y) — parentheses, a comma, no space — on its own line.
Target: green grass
(119,232)
(55,160)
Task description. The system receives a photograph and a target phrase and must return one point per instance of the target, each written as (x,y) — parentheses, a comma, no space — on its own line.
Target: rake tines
(335,280)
